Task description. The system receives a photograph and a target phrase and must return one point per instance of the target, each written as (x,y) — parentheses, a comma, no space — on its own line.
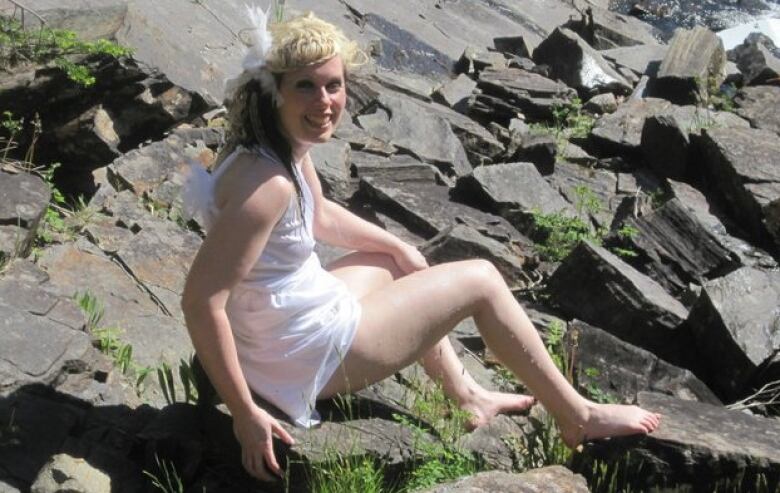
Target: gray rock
(742,164)
(521,92)
(397,168)
(513,45)
(621,132)
(757,62)
(698,446)
(66,474)
(675,249)
(493,442)
(594,285)
(331,160)
(92,19)
(474,61)
(642,59)
(456,92)
(551,479)
(601,104)
(539,149)
(408,84)
(429,137)
(463,242)
(573,61)
(511,187)
(758,105)
(692,68)
(737,327)
(620,370)
(24,198)
(605,29)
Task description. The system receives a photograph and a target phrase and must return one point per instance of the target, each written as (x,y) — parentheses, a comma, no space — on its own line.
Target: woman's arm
(337,226)
(225,257)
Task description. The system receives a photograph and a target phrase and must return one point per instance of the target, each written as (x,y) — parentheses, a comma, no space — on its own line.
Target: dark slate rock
(551,479)
(642,59)
(474,60)
(331,160)
(572,180)
(594,285)
(675,249)
(742,165)
(426,209)
(398,167)
(408,84)
(756,60)
(736,324)
(463,242)
(360,139)
(429,137)
(492,443)
(692,67)
(698,447)
(24,198)
(522,92)
(620,133)
(513,45)
(539,149)
(621,370)
(759,106)
(455,93)
(601,104)
(511,187)
(604,29)
(574,62)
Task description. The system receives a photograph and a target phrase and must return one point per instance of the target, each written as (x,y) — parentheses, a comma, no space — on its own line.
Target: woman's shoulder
(253,177)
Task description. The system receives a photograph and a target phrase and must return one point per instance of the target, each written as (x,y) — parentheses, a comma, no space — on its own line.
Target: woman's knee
(483,277)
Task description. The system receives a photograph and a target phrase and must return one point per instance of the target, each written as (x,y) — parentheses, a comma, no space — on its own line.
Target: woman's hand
(409,259)
(255,432)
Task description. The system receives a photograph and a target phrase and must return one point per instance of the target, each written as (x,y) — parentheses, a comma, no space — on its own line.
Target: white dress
(292,321)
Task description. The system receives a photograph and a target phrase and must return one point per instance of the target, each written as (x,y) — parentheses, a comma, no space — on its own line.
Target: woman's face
(313,98)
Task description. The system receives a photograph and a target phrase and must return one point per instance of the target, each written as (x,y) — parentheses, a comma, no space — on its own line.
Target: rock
(93,19)
(574,62)
(456,92)
(621,132)
(579,184)
(620,370)
(64,473)
(604,29)
(641,59)
(758,104)
(407,84)
(426,136)
(698,446)
(601,104)
(692,68)
(519,91)
(473,61)
(24,198)
(741,163)
(493,442)
(756,59)
(396,168)
(463,242)
(597,287)
(675,249)
(426,209)
(737,327)
(513,187)
(551,479)
(331,160)
(539,149)
(512,45)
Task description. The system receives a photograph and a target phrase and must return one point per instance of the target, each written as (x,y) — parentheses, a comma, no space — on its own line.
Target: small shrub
(167,478)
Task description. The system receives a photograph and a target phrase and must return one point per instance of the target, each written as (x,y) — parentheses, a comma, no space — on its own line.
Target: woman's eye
(334,87)
(305,85)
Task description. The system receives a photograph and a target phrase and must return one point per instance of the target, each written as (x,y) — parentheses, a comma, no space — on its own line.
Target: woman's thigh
(364,272)
(403,319)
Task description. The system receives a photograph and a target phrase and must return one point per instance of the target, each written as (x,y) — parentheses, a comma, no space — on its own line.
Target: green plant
(166,479)
(91,308)
(559,234)
(345,474)
(45,44)
(539,446)
(167,381)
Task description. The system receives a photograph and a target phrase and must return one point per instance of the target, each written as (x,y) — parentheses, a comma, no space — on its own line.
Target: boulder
(551,479)
(698,447)
(24,198)
(612,369)
(692,69)
(65,473)
(758,105)
(473,61)
(395,168)
(601,104)
(742,165)
(642,59)
(574,62)
(493,443)
(757,59)
(512,45)
(605,29)
(620,133)
(597,287)
(462,243)
(517,91)
(736,325)
(455,93)
(675,249)
(579,184)
(536,148)
(331,160)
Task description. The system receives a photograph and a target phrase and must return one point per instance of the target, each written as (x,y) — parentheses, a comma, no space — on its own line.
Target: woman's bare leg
(365,273)
(402,321)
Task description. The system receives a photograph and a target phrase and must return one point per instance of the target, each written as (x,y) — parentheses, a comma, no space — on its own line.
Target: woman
(264,316)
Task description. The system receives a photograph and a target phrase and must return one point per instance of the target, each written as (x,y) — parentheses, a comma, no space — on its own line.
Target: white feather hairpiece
(258,45)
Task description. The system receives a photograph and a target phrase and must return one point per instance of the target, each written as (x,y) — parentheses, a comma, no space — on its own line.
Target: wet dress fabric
(292,321)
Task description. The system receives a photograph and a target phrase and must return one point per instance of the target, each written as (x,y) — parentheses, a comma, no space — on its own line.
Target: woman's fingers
(282,433)
(270,458)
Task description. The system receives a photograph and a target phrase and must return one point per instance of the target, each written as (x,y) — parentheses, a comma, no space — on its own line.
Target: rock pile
(630,203)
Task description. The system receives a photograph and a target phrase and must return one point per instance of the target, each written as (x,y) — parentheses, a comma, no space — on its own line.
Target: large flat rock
(759,106)
(24,198)
(552,479)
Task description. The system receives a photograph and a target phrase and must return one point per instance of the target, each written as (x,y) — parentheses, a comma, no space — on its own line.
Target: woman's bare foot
(609,420)
(489,404)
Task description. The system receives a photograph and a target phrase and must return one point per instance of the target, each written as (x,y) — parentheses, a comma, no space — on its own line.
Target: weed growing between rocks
(167,381)
(166,478)
(19,45)
(340,474)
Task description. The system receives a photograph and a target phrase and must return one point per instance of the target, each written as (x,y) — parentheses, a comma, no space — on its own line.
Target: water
(667,15)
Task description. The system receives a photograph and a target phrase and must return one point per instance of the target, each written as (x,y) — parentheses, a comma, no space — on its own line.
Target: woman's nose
(322,95)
